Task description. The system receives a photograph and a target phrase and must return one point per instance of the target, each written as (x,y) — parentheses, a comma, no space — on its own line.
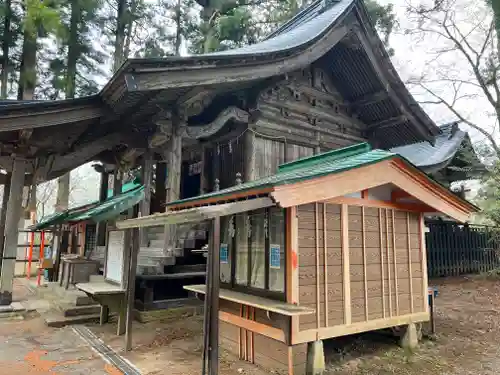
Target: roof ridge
(332,155)
(318,6)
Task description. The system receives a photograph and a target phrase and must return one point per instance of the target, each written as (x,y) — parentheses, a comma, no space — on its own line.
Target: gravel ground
(468,317)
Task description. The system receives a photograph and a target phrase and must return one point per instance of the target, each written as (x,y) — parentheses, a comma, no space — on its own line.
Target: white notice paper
(115,259)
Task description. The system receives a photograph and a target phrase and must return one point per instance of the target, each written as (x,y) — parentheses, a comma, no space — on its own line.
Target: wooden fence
(454,249)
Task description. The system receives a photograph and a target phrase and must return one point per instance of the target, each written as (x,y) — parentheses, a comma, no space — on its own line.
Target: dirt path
(29,347)
(468,324)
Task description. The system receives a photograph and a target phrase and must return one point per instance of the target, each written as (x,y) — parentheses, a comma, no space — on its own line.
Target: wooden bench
(111,297)
(278,307)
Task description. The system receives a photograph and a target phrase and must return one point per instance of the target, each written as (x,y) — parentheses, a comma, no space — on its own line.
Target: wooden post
(174,164)
(160,190)
(117,183)
(3,212)
(13,216)
(134,251)
(203,175)
(145,205)
(214,272)
(103,195)
(346,273)
(249,166)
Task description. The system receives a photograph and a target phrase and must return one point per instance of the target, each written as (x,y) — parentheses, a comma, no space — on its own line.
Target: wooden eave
(394,171)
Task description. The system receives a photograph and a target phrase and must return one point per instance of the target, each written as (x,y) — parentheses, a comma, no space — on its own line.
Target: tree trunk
(178,31)
(129,30)
(27,74)
(121,24)
(63,182)
(7,36)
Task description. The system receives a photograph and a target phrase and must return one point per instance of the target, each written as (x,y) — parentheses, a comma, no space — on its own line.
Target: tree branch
(451,108)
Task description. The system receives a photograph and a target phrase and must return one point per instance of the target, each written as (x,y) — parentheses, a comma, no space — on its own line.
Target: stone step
(96,278)
(82,310)
(158,244)
(58,320)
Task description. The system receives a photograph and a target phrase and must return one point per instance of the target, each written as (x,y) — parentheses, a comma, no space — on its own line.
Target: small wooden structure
(331,245)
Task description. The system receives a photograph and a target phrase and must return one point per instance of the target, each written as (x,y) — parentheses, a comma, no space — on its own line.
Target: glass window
(242,234)
(253,250)
(226,247)
(277,250)
(258,223)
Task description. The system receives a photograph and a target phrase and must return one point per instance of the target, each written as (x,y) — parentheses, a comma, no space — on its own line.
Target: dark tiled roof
(426,156)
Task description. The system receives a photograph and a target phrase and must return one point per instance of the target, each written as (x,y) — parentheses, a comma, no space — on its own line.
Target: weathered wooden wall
(255,346)
(269,154)
(382,254)
(307,110)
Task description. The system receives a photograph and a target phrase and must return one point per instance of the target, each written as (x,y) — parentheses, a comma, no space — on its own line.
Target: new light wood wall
(358,264)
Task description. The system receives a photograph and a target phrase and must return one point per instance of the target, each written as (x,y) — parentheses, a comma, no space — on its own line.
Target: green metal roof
(126,187)
(331,162)
(111,207)
(94,211)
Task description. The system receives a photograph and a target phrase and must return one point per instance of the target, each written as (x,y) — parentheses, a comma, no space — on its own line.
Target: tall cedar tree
(76,57)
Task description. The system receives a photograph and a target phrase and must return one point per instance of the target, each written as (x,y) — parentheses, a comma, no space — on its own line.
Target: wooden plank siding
(385,269)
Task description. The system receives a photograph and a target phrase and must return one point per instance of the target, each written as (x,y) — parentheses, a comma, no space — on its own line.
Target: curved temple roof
(326,32)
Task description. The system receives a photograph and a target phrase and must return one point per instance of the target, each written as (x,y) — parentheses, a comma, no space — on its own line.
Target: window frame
(262,292)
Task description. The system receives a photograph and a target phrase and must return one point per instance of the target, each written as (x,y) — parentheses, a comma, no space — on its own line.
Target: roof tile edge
(343,152)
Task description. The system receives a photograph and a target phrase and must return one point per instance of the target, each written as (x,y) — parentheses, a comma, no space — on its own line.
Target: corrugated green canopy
(112,207)
(94,211)
(330,162)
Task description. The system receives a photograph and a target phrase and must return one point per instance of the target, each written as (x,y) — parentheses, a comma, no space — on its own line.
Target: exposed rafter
(389,122)
(372,98)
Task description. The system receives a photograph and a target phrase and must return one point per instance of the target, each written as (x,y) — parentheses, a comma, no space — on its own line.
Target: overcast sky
(413,56)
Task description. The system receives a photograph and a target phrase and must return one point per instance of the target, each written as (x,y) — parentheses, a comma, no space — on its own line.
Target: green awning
(61,217)
(112,207)
(126,187)
(94,211)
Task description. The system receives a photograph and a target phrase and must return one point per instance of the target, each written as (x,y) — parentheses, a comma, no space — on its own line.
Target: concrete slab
(13,307)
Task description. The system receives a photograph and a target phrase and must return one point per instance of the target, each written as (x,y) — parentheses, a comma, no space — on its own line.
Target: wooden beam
(145,204)
(3,209)
(262,329)
(191,75)
(351,329)
(396,120)
(49,117)
(173,155)
(423,260)
(408,236)
(346,273)
(130,286)
(365,276)
(382,271)
(316,252)
(13,216)
(372,98)
(325,261)
(395,97)
(197,214)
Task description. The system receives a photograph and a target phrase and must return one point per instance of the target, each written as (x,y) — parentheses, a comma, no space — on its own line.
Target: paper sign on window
(275,257)
(224,253)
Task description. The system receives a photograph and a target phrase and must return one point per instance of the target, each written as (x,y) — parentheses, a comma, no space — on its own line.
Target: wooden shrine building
(330,245)
(197,124)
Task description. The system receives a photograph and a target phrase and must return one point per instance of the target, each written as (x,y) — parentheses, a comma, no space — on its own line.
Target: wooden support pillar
(174,165)
(13,216)
(134,252)
(160,188)
(145,205)
(103,195)
(211,311)
(117,183)
(3,211)
(249,153)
